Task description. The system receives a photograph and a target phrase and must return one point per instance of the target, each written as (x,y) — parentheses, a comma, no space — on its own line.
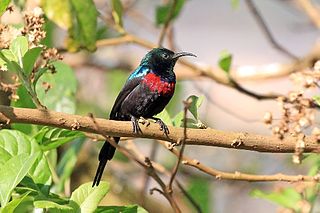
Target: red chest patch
(154,83)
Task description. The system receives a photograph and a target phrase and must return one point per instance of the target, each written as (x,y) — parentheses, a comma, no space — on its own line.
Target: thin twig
(183,143)
(167,22)
(253,9)
(311,10)
(219,175)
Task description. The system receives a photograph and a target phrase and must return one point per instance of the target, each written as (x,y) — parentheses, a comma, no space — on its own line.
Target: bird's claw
(163,126)
(135,125)
(144,121)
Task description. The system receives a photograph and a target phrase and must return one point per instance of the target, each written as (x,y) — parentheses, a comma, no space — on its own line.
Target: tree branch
(206,137)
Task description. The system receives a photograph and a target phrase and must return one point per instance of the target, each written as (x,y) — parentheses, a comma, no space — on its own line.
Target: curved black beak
(178,55)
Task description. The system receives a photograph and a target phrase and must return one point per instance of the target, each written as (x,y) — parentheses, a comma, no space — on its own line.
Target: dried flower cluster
(34,22)
(297,111)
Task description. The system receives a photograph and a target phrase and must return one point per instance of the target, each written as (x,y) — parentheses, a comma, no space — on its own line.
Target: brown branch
(263,25)
(238,175)
(207,137)
(167,22)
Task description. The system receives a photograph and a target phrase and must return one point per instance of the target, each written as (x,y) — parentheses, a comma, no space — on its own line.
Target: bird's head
(162,59)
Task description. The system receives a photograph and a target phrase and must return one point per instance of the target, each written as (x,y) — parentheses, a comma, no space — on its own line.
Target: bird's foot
(163,126)
(144,121)
(135,125)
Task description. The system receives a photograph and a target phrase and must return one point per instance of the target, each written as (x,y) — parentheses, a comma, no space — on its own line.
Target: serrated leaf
(12,171)
(3,6)
(83,30)
(225,61)
(288,197)
(162,12)
(13,143)
(86,198)
(117,12)
(29,59)
(51,138)
(61,96)
(58,11)
(122,209)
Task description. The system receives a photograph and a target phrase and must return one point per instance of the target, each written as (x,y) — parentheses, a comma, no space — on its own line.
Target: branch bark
(206,137)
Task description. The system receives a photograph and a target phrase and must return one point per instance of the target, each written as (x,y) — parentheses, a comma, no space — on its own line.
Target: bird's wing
(132,82)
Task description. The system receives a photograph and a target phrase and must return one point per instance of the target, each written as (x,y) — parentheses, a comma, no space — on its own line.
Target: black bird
(146,93)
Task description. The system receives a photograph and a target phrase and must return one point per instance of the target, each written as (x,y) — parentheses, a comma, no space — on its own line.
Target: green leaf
(86,198)
(58,11)
(49,204)
(12,172)
(19,47)
(12,205)
(165,117)
(316,98)
(29,59)
(117,12)
(51,138)
(68,162)
(199,190)
(162,12)
(122,209)
(225,61)
(3,6)
(195,104)
(178,119)
(288,197)
(61,96)
(84,28)
(13,143)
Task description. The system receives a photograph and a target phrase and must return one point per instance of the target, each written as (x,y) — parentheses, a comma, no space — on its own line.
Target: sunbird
(145,94)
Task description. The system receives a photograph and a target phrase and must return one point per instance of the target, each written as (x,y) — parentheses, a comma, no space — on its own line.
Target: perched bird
(146,93)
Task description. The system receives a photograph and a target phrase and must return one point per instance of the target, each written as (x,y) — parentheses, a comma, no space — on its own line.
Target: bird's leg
(135,125)
(163,126)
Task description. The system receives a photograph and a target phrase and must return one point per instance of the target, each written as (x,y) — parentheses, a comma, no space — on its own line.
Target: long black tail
(106,153)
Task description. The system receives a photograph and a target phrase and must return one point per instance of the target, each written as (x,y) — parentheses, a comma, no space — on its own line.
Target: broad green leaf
(51,138)
(86,198)
(3,6)
(122,209)
(225,61)
(195,104)
(83,31)
(288,197)
(9,55)
(61,96)
(117,12)
(13,143)
(165,117)
(49,204)
(235,4)
(59,11)
(162,12)
(12,172)
(19,47)
(199,190)
(68,162)
(29,59)
(178,119)
(12,205)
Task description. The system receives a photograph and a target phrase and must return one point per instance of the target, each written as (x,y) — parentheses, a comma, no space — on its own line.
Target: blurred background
(205,28)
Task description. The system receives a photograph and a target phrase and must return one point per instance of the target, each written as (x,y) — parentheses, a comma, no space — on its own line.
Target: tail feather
(106,153)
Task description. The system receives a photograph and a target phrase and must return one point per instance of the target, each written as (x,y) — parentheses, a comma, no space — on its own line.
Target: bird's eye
(165,56)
